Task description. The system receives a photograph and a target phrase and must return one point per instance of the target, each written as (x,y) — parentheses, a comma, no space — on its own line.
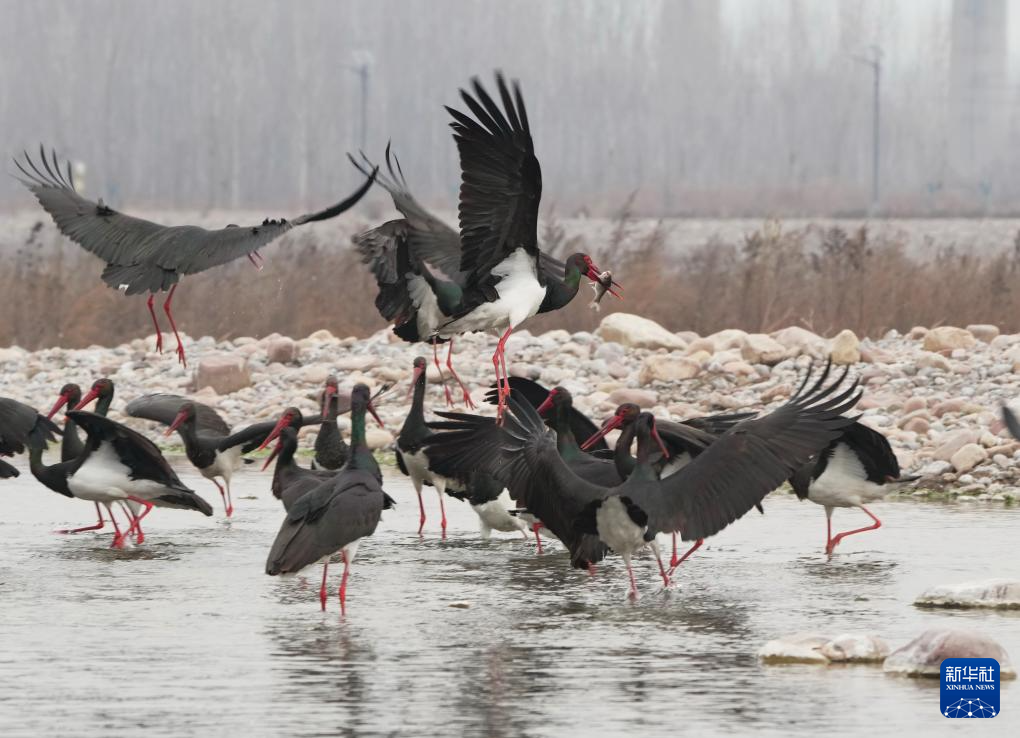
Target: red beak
(329,392)
(276,452)
(61,401)
(546,403)
(418,371)
(89,397)
(371,409)
(282,423)
(614,422)
(181,416)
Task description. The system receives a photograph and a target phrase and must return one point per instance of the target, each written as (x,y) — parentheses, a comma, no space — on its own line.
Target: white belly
(844,482)
(520,296)
(103,478)
(224,465)
(494,514)
(616,529)
(417,465)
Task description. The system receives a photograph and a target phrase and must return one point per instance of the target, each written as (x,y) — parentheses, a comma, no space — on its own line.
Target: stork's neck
(103,404)
(644,469)
(566,444)
(54,477)
(361,456)
(622,459)
(558,294)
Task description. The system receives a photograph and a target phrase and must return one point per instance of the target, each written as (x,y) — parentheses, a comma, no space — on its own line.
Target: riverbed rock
(637,332)
(642,398)
(282,350)
(923,656)
(984,331)
(800,341)
(668,368)
(947,338)
(225,374)
(759,348)
(998,594)
(969,456)
(377,438)
(799,648)
(856,648)
(846,348)
(952,442)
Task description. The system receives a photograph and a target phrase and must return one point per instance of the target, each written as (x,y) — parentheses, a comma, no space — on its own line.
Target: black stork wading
(330,449)
(683,441)
(142,256)
(201,429)
(716,488)
(479,489)
(72,446)
(291,481)
(334,516)
(855,468)
(497,267)
(117,465)
(21,427)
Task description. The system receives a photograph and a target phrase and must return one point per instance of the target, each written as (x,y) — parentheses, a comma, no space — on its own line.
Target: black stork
(21,427)
(330,449)
(117,465)
(291,481)
(201,429)
(71,446)
(498,267)
(142,256)
(716,488)
(682,441)
(855,468)
(334,516)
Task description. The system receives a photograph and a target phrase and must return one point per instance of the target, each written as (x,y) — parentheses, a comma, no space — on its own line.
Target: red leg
(695,547)
(343,585)
(159,332)
(840,536)
(136,523)
(449,365)
(118,537)
(674,561)
(228,507)
(502,381)
(828,532)
(439,368)
(591,569)
(442,509)
(538,539)
(170,316)
(98,526)
(633,584)
(322,589)
(421,509)
(662,569)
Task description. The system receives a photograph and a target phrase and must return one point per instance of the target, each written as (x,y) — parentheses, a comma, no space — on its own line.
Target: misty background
(698,107)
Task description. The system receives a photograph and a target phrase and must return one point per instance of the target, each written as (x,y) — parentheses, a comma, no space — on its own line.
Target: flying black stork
(22,427)
(855,468)
(334,516)
(716,488)
(117,465)
(142,256)
(71,446)
(498,268)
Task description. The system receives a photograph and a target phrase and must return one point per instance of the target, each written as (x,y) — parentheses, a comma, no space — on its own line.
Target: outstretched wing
(522,455)
(501,180)
(163,408)
(251,437)
(142,255)
(21,426)
(135,451)
(750,460)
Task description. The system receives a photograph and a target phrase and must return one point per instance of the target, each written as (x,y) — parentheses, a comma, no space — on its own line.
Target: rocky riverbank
(935,393)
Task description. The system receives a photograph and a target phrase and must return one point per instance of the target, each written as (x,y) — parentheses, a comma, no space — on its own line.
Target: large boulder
(923,656)
(855,648)
(758,348)
(660,368)
(969,456)
(998,594)
(642,398)
(984,332)
(947,338)
(282,350)
(637,332)
(800,648)
(224,374)
(728,338)
(800,341)
(846,348)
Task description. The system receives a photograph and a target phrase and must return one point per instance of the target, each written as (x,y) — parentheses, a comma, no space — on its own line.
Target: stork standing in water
(142,256)
(334,516)
(856,468)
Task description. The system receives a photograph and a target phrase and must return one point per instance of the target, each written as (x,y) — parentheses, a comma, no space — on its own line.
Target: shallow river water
(185,635)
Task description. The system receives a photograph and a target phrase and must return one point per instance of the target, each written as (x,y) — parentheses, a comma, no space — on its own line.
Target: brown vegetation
(823,279)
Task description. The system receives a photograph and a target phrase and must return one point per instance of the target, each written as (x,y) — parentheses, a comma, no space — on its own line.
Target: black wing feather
(163,408)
